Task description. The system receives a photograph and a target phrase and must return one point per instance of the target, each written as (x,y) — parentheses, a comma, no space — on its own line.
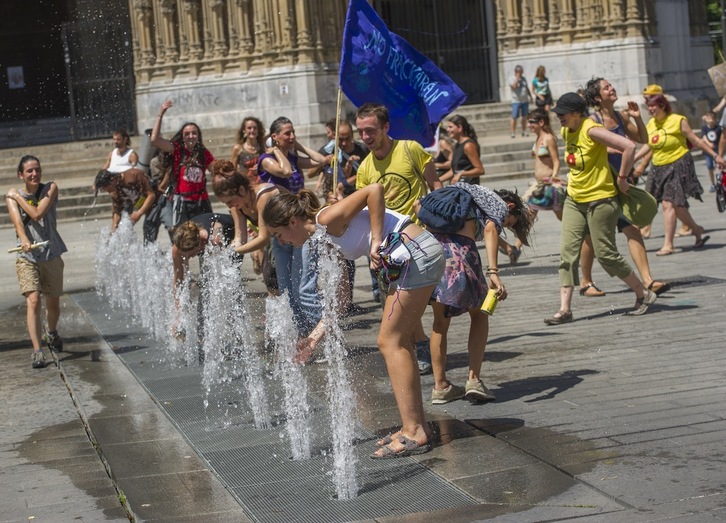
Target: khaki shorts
(46,277)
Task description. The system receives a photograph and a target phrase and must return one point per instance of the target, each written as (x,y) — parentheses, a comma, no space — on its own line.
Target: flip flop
(410,448)
(592,291)
(663,253)
(664,287)
(700,243)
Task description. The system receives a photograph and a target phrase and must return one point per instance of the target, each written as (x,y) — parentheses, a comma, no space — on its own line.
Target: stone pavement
(610,418)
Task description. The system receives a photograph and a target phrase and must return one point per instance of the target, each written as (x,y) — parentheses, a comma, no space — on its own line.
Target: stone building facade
(632,43)
(220,60)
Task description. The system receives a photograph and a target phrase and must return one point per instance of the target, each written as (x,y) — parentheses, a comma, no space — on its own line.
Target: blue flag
(381,67)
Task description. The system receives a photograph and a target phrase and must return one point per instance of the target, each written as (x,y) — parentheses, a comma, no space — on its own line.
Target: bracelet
(494,269)
(622,177)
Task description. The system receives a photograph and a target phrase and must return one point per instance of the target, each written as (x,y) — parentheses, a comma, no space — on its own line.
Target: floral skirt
(675,182)
(462,286)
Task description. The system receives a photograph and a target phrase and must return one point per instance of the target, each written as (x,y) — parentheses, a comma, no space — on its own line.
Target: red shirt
(191,181)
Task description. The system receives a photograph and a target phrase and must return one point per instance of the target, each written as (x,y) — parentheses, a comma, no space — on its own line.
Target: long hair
(242,136)
(284,206)
(541,115)
(524,215)
(197,153)
(466,127)
(226,179)
(540,74)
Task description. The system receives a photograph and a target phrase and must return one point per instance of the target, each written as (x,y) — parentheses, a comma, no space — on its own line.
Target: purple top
(293,184)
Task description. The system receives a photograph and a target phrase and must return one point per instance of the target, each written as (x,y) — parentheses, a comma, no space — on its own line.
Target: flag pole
(334,162)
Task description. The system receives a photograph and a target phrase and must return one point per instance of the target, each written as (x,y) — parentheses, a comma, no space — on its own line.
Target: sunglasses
(534,121)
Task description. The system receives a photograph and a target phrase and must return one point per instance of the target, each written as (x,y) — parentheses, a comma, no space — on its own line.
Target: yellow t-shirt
(590,178)
(666,140)
(403,184)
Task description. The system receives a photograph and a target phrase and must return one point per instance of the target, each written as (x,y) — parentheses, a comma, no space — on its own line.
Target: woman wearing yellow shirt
(673,178)
(591,203)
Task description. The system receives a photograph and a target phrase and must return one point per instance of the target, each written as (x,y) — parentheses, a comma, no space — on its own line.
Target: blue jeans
(298,276)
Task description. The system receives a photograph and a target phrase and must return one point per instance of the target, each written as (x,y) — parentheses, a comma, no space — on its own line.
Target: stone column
(167,49)
(303,36)
(540,15)
(567,20)
(189,27)
(142,18)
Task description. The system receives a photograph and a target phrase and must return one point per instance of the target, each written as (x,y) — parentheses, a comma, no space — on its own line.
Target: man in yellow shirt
(405,170)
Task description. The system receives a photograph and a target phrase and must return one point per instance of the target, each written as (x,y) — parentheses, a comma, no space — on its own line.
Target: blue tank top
(614,159)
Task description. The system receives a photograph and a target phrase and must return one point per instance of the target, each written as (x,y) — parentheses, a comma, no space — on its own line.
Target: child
(711,132)
(40,270)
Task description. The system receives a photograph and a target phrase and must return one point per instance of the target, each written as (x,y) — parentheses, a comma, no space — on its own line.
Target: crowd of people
(386,200)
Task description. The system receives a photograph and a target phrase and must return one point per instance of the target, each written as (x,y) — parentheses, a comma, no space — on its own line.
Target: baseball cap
(570,103)
(653,89)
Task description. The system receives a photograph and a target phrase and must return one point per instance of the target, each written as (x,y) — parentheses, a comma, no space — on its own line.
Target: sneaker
(712,189)
(54,341)
(642,304)
(423,355)
(450,393)
(38,359)
(477,392)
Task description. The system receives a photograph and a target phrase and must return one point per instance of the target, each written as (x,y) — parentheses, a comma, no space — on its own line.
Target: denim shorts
(710,162)
(520,108)
(426,265)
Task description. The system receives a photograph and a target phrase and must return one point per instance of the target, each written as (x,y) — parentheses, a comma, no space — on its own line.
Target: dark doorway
(32,75)
(457,35)
(66,71)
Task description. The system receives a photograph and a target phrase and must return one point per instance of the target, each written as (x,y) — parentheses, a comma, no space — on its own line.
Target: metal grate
(255,464)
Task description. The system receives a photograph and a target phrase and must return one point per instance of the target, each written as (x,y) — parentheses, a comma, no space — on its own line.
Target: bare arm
(235,154)
(143,181)
(477,168)
(36,213)
(554,154)
(634,126)
(432,179)
(107,163)
(17,220)
(701,144)
(314,158)
(491,243)
(156,138)
(279,166)
(618,143)
(722,144)
(240,227)
(338,216)
(721,105)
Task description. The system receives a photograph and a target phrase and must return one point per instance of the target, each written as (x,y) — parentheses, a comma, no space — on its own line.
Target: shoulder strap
(415,166)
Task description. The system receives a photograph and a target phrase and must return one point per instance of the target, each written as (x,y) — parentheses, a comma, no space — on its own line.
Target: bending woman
(591,203)
(463,287)
(358,225)
(294,268)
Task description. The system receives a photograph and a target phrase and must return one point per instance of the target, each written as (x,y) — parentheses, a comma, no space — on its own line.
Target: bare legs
(672,212)
(400,319)
(35,325)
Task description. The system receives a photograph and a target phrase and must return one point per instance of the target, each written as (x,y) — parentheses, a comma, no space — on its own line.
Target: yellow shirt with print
(590,178)
(403,183)
(666,139)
